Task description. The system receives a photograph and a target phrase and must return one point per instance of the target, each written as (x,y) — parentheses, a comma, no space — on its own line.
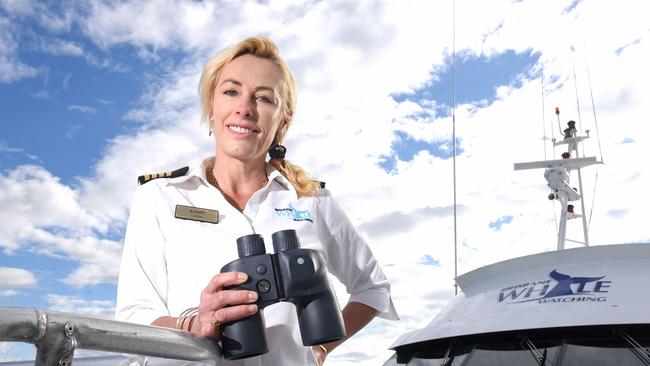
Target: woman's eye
(230,92)
(263,98)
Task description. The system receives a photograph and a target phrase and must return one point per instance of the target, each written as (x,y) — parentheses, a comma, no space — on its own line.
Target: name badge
(197,214)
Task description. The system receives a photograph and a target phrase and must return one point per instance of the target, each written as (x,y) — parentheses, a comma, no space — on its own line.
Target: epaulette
(176,173)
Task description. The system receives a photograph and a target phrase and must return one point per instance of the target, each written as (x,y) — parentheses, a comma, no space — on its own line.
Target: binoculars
(292,274)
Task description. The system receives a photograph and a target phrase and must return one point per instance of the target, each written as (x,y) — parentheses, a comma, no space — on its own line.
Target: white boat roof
(587,286)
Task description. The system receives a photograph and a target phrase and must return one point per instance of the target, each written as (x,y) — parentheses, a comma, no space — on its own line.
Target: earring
(211,120)
(277,151)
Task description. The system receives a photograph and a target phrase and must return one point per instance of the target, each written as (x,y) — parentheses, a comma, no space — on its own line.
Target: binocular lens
(250,245)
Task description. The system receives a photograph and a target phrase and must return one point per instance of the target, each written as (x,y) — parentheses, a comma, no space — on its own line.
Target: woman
(171,261)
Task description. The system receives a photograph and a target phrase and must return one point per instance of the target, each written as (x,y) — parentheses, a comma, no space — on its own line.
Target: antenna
(593,108)
(600,150)
(453,137)
(582,201)
(543,110)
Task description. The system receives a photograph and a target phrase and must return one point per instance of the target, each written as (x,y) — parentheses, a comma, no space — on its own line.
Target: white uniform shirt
(167,261)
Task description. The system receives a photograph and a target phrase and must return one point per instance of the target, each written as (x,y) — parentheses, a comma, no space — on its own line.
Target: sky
(95,93)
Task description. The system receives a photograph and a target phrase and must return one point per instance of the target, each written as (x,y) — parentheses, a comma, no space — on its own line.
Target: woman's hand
(219,306)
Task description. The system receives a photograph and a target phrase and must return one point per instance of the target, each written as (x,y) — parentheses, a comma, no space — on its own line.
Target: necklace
(235,203)
(213,181)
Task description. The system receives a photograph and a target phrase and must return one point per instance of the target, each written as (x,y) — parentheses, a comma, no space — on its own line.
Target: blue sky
(64,116)
(96,93)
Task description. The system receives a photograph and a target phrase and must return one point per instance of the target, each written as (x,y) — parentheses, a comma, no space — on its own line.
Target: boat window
(491,357)
(419,360)
(425,360)
(576,355)
(594,346)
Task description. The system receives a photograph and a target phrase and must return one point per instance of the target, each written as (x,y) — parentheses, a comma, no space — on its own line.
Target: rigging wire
(453,136)
(600,150)
(575,86)
(543,112)
(593,200)
(582,192)
(557,229)
(593,108)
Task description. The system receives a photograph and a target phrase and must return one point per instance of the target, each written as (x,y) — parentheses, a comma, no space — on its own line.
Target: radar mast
(557,174)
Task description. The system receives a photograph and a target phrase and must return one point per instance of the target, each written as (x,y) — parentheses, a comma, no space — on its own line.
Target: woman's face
(245,108)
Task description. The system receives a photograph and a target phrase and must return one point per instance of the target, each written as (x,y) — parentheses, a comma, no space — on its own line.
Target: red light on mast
(557,110)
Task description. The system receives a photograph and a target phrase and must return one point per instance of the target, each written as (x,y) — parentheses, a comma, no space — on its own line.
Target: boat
(585,305)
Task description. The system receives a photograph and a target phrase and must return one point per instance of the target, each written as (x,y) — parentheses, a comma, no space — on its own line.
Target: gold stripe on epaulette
(171,174)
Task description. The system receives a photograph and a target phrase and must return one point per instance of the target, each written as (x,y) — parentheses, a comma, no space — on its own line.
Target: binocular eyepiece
(292,274)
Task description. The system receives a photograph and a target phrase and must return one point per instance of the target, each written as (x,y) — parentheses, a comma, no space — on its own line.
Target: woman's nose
(245,108)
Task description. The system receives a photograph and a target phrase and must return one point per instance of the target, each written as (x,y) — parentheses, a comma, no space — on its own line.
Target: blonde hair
(264,48)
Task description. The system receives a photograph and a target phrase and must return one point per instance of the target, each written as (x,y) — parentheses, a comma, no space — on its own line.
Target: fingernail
(252,308)
(252,295)
(242,276)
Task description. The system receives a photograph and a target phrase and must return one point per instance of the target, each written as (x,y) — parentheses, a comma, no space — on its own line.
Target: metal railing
(57,335)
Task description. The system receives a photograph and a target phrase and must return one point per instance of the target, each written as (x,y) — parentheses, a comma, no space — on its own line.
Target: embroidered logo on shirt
(295,215)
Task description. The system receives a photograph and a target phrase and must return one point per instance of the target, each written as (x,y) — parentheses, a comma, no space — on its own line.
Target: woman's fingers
(220,306)
(220,299)
(212,321)
(225,279)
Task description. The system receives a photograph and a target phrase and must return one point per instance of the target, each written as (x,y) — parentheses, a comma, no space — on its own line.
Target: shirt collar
(198,172)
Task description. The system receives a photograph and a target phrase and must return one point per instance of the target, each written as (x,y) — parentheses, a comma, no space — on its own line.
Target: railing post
(57,347)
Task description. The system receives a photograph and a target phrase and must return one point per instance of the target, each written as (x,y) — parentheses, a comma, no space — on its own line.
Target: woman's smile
(242,130)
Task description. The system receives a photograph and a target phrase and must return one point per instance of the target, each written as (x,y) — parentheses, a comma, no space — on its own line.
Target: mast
(557,174)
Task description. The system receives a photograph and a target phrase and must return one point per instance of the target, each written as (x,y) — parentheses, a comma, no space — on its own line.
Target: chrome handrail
(57,335)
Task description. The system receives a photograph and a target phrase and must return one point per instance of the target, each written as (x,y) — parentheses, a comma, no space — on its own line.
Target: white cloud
(82,109)
(70,304)
(150,25)
(99,258)
(16,7)
(56,19)
(30,195)
(44,216)
(11,68)
(66,81)
(14,150)
(59,47)
(13,278)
